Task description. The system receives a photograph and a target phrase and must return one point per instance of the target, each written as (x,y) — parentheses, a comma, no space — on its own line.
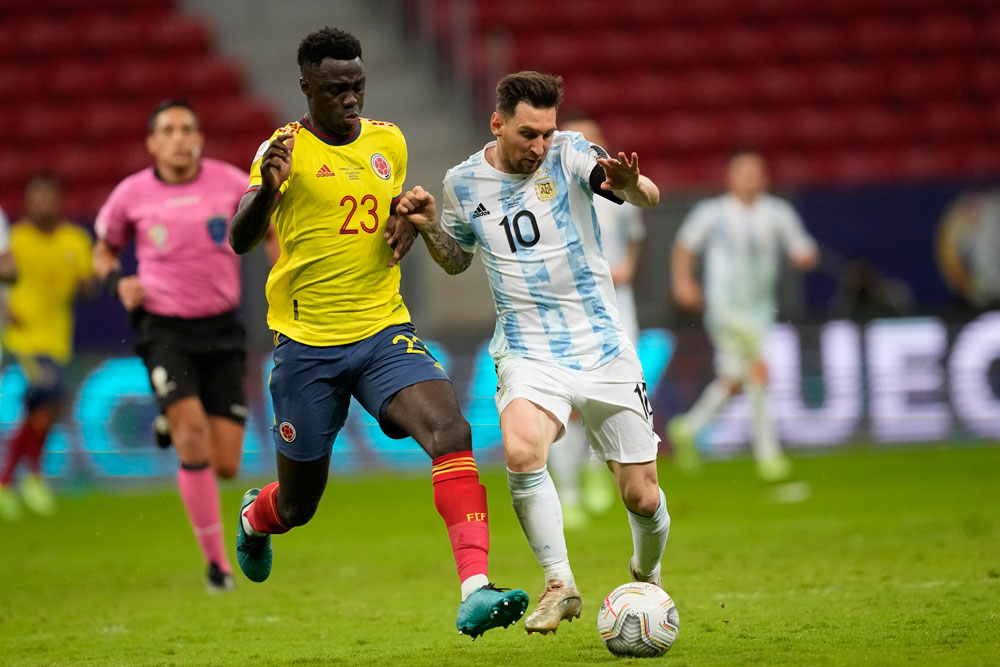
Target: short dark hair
(328,43)
(172,103)
(47,178)
(744,150)
(542,91)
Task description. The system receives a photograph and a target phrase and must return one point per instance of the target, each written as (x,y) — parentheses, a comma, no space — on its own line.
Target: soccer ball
(638,620)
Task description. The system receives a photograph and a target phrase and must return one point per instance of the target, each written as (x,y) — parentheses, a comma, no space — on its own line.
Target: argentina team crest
(381,166)
(217,229)
(545,188)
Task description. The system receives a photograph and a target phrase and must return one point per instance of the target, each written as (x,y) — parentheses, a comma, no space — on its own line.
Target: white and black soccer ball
(638,620)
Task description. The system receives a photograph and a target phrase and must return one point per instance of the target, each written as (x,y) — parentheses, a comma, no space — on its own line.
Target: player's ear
(304,86)
(151,144)
(496,123)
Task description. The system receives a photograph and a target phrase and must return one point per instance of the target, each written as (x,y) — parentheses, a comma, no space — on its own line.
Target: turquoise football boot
(252,553)
(490,607)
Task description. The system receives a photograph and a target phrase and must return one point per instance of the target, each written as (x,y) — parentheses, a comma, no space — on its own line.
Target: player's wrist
(111,281)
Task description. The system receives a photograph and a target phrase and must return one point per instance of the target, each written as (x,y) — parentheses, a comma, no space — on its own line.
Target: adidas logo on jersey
(480,211)
(324,171)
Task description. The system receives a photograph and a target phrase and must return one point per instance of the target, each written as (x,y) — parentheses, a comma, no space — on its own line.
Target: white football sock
(247,528)
(764,438)
(472,584)
(566,457)
(536,504)
(649,538)
(711,401)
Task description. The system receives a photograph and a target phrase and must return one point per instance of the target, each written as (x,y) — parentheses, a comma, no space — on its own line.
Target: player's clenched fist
(418,206)
(276,163)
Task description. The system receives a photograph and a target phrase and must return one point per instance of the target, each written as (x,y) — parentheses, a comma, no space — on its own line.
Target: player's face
(175,142)
(747,176)
(523,138)
(335,93)
(43,202)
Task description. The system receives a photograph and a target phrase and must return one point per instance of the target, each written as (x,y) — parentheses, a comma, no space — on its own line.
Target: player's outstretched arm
(687,292)
(623,177)
(418,207)
(253,215)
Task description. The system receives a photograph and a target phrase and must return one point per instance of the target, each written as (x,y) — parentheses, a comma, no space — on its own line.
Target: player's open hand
(418,207)
(399,234)
(621,173)
(688,296)
(130,292)
(276,163)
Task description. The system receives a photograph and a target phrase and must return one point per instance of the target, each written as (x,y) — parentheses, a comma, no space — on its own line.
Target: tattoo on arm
(445,250)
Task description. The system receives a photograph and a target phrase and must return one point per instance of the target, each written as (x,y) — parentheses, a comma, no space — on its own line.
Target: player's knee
(190,436)
(521,456)
(642,499)
(449,435)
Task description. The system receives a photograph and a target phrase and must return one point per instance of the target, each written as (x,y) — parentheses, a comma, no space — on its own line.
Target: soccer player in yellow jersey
(53,259)
(331,183)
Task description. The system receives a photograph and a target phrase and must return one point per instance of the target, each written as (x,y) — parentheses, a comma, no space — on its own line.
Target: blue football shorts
(311,387)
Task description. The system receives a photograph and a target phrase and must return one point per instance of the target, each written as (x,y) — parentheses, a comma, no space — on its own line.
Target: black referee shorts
(203,357)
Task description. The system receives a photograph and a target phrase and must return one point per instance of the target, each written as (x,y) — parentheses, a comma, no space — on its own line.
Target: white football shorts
(611,400)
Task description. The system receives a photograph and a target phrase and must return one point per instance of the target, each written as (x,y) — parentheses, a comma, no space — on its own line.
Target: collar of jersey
(330,140)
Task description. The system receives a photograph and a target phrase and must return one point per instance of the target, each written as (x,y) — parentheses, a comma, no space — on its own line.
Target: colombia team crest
(287,431)
(381,166)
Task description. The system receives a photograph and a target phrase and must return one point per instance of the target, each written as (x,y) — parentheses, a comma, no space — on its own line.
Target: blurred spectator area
(834,91)
(78,79)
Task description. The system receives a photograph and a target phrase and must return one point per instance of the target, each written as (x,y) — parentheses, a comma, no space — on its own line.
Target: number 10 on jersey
(512,227)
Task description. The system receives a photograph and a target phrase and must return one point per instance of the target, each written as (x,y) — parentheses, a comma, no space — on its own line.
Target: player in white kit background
(743,236)
(525,200)
(584,488)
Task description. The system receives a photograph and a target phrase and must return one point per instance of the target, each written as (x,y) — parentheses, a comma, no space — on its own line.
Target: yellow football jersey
(50,268)
(331,285)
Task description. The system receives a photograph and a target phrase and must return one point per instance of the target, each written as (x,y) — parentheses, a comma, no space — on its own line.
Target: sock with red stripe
(201,500)
(461,501)
(17,447)
(35,443)
(261,516)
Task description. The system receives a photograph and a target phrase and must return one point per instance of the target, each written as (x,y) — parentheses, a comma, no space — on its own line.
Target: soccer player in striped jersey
(584,488)
(331,182)
(525,200)
(743,235)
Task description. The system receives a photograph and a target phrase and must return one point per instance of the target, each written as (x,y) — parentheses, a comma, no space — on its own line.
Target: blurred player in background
(584,486)
(52,259)
(182,304)
(743,235)
(559,345)
(331,182)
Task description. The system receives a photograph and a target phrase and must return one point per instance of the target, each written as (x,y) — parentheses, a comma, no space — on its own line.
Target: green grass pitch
(893,559)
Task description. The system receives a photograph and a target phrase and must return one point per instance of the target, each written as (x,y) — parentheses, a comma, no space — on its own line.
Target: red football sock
(33,446)
(263,512)
(461,501)
(15,450)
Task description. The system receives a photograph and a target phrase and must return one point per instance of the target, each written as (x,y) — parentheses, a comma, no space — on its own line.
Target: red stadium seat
(948,121)
(114,122)
(21,83)
(945,33)
(81,79)
(187,35)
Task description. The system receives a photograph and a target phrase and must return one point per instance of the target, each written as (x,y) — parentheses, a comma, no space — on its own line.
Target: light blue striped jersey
(541,246)
(743,245)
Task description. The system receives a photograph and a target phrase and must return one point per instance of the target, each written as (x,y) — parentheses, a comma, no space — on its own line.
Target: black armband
(597,177)
(111,281)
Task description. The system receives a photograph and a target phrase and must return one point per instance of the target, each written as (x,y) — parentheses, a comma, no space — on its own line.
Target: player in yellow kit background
(331,183)
(53,260)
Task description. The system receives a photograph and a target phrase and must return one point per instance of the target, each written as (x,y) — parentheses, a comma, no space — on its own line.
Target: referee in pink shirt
(182,305)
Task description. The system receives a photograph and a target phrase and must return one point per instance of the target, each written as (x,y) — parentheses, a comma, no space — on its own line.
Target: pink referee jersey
(186,266)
